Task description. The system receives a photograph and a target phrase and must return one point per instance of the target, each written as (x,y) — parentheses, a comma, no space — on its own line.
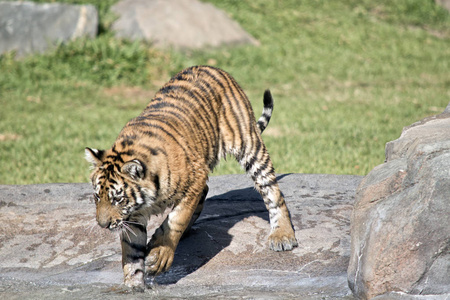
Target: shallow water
(15,289)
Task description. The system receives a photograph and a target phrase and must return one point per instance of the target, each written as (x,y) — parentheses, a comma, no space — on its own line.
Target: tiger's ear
(94,156)
(134,169)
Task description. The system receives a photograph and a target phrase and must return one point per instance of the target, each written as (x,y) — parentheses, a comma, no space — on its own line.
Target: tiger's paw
(159,260)
(133,277)
(125,289)
(282,240)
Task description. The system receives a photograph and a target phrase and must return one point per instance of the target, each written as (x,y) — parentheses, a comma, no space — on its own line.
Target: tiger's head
(120,187)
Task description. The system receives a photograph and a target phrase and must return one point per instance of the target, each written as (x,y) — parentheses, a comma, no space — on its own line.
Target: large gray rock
(183,24)
(401,219)
(444,3)
(28,27)
(51,247)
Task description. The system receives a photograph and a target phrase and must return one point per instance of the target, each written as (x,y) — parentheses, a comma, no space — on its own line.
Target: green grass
(346,76)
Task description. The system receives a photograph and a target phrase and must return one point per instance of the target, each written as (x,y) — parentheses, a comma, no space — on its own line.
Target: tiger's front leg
(133,240)
(165,240)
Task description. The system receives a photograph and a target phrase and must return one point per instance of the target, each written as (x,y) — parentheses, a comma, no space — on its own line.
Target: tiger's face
(118,190)
(113,205)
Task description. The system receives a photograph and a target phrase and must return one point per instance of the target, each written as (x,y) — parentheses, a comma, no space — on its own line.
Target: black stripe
(186,152)
(219,83)
(129,152)
(184,118)
(127,141)
(137,251)
(168,88)
(262,167)
(269,184)
(140,227)
(153,150)
(181,75)
(134,258)
(213,93)
(157,182)
(158,105)
(206,128)
(210,135)
(133,194)
(252,161)
(241,92)
(234,110)
(268,99)
(154,115)
(151,133)
(190,103)
(156,151)
(160,128)
(175,86)
(117,156)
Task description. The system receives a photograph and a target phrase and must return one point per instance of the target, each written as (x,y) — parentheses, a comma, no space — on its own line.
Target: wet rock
(183,24)
(50,246)
(400,223)
(28,27)
(403,296)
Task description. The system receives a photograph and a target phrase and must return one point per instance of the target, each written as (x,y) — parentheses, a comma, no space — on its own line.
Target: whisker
(123,228)
(131,222)
(91,225)
(127,227)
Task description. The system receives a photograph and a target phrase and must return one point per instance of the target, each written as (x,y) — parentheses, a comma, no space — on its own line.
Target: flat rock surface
(51,247)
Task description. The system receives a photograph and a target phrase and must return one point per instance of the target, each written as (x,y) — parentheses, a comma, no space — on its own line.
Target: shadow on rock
(210,233)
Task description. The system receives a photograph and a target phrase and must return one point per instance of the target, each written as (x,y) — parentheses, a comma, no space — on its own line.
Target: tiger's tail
(267,111)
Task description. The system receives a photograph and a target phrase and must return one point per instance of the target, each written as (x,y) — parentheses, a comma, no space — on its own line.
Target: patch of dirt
(276,131)
(273,131)
(9,137)
(440,34)
(133,94)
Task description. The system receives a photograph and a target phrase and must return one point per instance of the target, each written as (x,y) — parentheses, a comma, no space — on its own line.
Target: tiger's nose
(103,222)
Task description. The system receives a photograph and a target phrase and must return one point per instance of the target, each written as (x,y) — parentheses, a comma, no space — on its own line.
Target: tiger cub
(162,159)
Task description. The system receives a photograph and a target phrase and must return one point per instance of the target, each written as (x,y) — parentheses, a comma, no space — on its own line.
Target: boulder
(28,27)
(400,233)
(181,24)
(444,3)
(52,248)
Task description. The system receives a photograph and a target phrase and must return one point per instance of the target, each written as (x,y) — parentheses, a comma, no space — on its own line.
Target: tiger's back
(203,110)
(163,158)
(198,117)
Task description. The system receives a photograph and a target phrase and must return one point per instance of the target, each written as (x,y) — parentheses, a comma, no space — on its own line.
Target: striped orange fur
(162,158)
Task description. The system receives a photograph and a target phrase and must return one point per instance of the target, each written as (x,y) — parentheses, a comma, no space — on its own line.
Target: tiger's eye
(116,200)
(96,197)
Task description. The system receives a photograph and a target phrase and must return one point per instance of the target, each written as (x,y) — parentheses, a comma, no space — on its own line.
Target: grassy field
(346,76)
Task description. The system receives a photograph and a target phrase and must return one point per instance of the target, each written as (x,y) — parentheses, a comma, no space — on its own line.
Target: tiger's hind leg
(259,166)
